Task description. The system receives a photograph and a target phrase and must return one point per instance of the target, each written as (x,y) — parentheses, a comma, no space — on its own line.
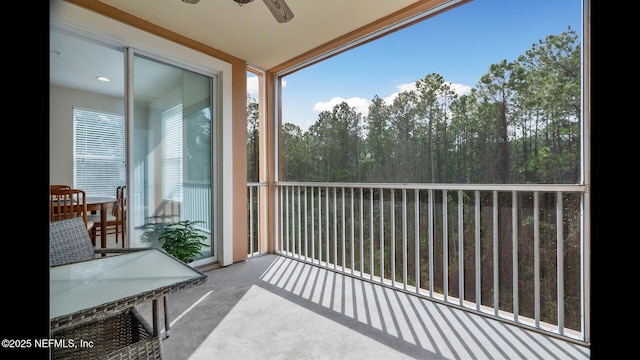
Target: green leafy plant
(182,240)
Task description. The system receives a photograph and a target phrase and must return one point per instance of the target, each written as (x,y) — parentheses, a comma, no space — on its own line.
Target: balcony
(276,307)
(399,271)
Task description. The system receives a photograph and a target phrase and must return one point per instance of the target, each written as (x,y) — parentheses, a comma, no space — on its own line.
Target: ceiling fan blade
(280,10)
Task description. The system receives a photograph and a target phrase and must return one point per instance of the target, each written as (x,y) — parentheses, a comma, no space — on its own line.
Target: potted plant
(182,240)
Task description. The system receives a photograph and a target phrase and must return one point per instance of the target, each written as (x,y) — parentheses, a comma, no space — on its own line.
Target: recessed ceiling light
(102,78)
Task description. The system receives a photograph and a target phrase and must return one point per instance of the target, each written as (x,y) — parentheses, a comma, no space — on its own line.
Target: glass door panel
(173,151)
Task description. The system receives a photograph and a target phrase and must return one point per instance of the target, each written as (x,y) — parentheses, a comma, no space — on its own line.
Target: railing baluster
(260,238)
(496,258)
(392,217)
(286,228)
(313,230)
(319,225)
(293,222)
(299,212)
(536,255)
(361,232)
(381,236)
(404,239)
(445,244)
(326,199)
(460,248)
(252,239)
(560,255)
(306,228)
(371,236)
(335,227)
(352,236)
(417,239)
(344,231)
(431,235)
(279,195)
(514,244)
(477,242)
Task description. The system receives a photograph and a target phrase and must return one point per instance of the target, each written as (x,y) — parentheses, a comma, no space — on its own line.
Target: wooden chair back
(67,203)
(120,212)
(116,219)
(59,186)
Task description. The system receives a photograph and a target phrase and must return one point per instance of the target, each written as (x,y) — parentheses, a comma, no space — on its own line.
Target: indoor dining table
(102,204)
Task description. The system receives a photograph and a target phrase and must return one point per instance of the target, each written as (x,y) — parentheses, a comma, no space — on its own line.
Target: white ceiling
(75,63)
(250,31)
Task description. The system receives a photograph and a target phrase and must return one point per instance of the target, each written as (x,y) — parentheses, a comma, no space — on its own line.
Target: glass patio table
(84,294)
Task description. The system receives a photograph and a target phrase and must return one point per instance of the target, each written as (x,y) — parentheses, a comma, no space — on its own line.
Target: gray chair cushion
(69,242)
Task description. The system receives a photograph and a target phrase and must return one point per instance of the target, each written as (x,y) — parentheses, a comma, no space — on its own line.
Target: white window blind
(99,152)
(172,154)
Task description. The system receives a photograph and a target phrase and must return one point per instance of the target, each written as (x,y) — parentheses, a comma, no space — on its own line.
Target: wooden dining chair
(67,203)
(116,219)
(59,186)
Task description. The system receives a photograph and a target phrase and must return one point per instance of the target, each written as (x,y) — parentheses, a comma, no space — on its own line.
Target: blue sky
(459,44)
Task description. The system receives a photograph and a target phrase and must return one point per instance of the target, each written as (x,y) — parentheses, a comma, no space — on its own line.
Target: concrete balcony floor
(273,307)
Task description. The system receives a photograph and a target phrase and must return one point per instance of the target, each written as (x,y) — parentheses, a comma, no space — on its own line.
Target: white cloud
(458,88)
(461,89)
(360,104)
(406,87)
(402,87)
(252,86)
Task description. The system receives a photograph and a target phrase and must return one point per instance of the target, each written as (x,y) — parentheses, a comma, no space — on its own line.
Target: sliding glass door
(174,121)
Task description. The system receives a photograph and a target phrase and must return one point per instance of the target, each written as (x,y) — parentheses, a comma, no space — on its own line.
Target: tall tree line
(520,124)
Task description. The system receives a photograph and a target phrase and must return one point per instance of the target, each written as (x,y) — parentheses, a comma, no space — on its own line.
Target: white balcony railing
(510,252)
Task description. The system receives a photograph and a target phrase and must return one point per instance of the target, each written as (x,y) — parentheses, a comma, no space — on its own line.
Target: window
(172,154)
(99,152)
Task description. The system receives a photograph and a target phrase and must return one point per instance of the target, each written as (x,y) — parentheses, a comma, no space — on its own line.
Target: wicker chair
(117,336)
(120,336)
(69,242)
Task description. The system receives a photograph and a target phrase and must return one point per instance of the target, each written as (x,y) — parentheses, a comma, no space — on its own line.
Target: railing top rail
(440,186)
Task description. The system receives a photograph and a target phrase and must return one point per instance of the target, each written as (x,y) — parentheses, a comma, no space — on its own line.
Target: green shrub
(182,240)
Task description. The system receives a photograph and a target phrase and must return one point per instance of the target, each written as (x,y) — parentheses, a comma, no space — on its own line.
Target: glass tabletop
(90,284)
